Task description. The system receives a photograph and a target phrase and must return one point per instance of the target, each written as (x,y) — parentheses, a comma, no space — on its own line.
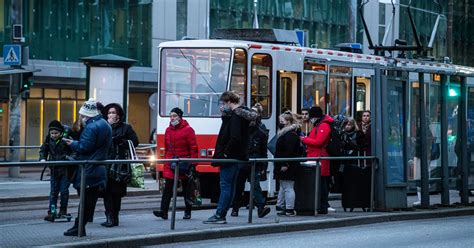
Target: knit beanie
(315,112)
(56,125)
(89,108)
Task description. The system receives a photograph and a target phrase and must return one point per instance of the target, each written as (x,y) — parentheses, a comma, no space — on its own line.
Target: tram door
(288,88)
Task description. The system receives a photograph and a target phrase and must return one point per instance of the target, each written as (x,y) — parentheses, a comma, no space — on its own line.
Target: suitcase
(356,187)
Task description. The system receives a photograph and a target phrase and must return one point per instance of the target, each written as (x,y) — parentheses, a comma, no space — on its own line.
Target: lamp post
(107,79)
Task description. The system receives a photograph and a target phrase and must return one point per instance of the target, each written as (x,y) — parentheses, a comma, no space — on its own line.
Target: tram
(194,73)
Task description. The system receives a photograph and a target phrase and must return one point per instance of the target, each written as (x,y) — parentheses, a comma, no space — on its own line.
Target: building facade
(59,33)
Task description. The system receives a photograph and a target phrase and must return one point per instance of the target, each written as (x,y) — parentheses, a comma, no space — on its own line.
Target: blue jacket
(94,144)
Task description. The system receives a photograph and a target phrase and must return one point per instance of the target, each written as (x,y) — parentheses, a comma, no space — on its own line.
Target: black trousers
(168,194)
(90,200)
(324,193)
(112,203)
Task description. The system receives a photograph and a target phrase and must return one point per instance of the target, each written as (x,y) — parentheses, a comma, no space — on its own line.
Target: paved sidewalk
(145,229)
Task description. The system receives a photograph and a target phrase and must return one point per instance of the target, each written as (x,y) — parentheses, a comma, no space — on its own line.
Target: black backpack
(335,147)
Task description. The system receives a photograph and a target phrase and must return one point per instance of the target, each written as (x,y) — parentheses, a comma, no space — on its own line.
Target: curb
(252,230)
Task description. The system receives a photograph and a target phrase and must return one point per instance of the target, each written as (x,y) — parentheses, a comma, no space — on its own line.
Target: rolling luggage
(356,187)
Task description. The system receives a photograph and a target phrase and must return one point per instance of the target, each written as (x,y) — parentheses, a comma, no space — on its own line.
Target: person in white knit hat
(93,144)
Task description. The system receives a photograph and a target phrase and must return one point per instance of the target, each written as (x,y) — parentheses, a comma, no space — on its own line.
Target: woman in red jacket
(316,144)
(180,142)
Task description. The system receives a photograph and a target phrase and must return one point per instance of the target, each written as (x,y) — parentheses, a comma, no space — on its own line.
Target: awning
(10,71)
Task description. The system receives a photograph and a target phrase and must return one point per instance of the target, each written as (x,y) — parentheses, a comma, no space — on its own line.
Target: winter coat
(93,144)
(288,145)
(121,133)
(365,139)
(351,146)
(180,142)
(57,150)
(234,134)
(317,141)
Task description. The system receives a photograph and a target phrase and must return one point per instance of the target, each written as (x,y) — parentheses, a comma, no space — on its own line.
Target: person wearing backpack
(316,144)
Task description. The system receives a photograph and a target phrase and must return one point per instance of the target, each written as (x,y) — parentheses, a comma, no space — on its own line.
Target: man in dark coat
(94,144)
(233,137)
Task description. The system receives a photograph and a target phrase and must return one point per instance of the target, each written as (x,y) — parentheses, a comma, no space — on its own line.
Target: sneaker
(278,208)
(235,213)
(282,213)
(417,203)
(290,212)
(262,212)
(215,219)
(187,216)
(330,209)
(160,214)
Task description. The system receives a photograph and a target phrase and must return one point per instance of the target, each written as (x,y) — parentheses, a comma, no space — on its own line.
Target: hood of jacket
(181,124)
(292,127)
(246,113)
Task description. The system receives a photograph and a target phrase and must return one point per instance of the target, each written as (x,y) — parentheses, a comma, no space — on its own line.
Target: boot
(74,231)
(235,212)
(62,212)
(187,214)
(115,219)
(109,221)
(263,211)
(49,217)
(161,214)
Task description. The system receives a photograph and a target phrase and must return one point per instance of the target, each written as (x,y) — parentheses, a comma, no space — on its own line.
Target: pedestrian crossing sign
(12,54)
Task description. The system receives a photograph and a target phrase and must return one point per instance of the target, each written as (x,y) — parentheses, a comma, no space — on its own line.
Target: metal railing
(311,162)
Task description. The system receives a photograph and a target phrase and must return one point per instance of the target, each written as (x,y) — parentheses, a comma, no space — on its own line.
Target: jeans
(168,194)
(324,193)
(228,180)
(59,184)
(259,199)
(286,194)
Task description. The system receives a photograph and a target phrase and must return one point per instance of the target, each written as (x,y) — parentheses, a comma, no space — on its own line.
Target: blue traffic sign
(12,54)
(301,37)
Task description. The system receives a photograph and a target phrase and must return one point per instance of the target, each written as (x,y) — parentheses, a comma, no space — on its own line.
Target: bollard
(82,196)
(316,188)
(252,185)
(175,193)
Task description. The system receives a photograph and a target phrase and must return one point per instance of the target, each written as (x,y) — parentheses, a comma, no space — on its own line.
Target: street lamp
(107,79)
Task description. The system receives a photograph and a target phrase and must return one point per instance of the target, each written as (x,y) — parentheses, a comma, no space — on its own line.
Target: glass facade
(326,21)
(68,30)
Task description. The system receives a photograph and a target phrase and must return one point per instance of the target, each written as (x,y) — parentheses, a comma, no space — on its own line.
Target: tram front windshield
(193,79)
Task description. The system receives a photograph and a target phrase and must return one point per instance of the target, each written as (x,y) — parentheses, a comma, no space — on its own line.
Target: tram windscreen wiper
(199,72)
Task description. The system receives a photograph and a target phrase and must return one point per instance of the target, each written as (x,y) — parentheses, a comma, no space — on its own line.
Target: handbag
(193,190)
(137,179)
(435,151)
(120,173)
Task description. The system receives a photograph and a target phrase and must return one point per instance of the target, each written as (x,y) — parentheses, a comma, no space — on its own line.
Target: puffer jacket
(287,146)
(93,144)
(317,141)
(180,142)
(234,134)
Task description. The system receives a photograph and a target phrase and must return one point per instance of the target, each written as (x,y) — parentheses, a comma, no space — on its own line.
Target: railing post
(82,196)
(372,176)
(316,187)
(175,193)
(252,185)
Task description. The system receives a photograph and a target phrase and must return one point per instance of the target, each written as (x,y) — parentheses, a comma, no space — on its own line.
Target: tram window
(340,86)
(361,93)
(314,91)
(238,81)
(261,82)
(193,79)
(310,65)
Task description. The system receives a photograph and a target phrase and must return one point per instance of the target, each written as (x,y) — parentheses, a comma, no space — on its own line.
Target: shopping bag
(137,179)
(193,190)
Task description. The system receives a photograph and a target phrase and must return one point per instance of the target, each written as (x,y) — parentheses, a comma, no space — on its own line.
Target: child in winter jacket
(55,149)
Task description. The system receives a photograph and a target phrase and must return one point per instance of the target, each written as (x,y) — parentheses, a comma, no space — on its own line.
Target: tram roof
(327,54)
